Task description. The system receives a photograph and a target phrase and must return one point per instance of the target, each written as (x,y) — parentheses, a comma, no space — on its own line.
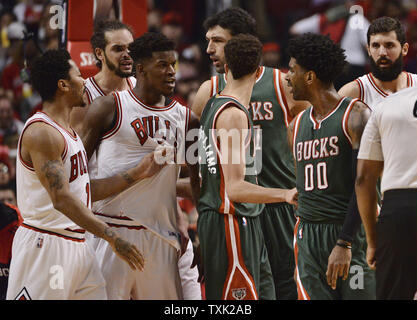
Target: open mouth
(384,63)
(170,83)
(126,64)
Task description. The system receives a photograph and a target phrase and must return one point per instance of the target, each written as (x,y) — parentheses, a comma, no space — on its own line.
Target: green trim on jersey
(213,195)
(269,112)
(323,153)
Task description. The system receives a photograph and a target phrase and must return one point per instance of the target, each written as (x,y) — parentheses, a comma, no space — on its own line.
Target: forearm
(352,219)
(243,191)
(184,188)
(77,212)
(367,204)
(103,188)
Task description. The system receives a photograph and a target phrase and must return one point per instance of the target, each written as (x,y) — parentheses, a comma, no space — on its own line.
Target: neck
(109,81)
(147,95)
(240,89)
(59,110)
(395,85)
(323,100)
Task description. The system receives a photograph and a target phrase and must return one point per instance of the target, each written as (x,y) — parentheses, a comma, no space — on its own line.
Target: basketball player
(325,140)
(387,48)
(272,109)
(110,42)
(388,148)
(128,125)
(230,200)
(54,194)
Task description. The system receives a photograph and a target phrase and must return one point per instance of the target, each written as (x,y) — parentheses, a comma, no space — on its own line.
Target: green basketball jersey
(213,194)
(270,113)
(323,154)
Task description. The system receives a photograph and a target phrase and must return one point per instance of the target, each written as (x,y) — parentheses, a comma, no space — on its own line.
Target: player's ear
(99,54)
(309,76)
(226,70)
(63,85)
(258,72)
(140,69)
(404,49)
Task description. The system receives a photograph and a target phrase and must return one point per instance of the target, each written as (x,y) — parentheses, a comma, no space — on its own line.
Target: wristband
(343,245)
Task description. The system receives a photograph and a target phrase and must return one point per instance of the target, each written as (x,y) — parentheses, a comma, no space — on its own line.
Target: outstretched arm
(231,122)
(42,147)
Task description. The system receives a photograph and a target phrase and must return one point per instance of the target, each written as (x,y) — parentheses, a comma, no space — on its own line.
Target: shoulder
(231,116)
(41,136)
(201,98)
(351,89)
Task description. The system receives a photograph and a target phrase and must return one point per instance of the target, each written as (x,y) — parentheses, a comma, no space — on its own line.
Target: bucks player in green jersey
(271,109)
(233,251)
(325,139)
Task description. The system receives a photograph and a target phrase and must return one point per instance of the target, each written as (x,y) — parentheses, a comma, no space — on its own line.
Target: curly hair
(98,39)
(386,24)
(47,69)
(320,54)
(234,19)
(150,42)
(243,54)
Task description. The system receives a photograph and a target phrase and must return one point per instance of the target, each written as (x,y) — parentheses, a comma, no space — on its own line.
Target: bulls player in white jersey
(54,194)
(128,125)
(110,42)
(387,48)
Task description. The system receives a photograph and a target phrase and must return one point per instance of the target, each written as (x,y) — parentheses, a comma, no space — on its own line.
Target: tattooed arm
(103,188)
(42,147)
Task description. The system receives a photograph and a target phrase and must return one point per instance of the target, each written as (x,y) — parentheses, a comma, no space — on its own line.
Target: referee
(389,148)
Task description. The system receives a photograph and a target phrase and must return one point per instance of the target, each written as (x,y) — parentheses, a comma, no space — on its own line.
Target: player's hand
(198,261)
(148,166)
(338,265)
(129,253)
(292,196)
(370,257)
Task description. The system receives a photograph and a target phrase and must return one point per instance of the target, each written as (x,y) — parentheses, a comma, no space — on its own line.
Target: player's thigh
(160,279)
(44,266)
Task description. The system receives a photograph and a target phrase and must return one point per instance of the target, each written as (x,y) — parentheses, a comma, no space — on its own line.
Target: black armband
(353,218)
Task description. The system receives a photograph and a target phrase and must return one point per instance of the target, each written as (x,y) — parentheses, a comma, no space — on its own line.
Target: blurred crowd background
(182,20)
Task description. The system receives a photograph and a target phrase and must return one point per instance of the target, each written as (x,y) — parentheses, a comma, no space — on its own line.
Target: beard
(116,69)
(388,73)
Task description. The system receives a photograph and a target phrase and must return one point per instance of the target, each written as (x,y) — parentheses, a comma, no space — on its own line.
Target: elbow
(60,202)
(233,193)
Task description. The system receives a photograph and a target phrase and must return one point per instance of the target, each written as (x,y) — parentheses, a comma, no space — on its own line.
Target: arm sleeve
(353,218)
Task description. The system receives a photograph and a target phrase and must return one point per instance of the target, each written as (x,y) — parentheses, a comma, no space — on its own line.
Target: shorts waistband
(400,196)
(68,234)
(120,221)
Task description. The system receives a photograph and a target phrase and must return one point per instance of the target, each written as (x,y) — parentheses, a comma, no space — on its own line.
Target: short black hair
(234,19)
(150,42)
(243,54)
(47,69)
(387,24)
(98,39)
(320,54)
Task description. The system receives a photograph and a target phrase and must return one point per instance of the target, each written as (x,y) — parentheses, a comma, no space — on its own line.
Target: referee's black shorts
(396,253)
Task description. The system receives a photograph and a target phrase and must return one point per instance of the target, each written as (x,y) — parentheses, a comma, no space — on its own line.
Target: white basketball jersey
(34,201)
(94,91)
(371,94)
(139,130)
